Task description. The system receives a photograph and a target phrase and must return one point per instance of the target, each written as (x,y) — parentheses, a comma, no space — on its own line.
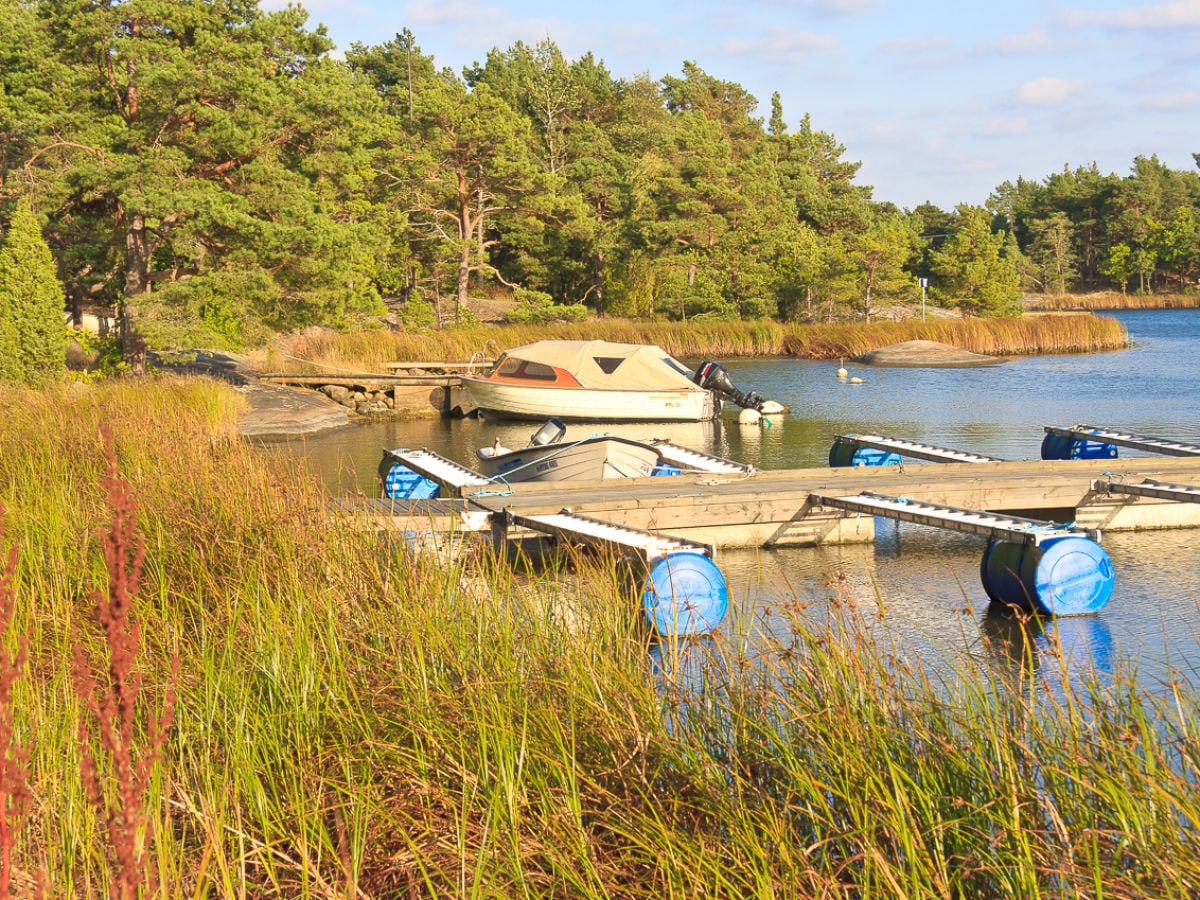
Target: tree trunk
(137,283)
(464,280)
(599,283)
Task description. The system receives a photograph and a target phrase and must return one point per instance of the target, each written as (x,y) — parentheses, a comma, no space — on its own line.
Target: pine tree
(32,333)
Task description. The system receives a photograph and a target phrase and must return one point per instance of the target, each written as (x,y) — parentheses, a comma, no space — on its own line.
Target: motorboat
(601,381)
(549,457)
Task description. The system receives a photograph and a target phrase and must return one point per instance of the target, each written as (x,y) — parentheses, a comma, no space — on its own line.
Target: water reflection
(1071,650)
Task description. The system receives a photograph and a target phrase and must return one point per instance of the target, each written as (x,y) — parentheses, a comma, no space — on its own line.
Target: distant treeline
(212,167)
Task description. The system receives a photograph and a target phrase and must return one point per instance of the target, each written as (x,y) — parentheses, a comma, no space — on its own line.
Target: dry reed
(371,351)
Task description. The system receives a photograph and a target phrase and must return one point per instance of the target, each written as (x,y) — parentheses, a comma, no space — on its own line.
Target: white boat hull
(575,404)
(592,459)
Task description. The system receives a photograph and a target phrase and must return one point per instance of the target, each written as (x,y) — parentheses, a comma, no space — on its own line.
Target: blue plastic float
(845,454)
(402,483)
(1064,576)
(685,594)
(1061,446)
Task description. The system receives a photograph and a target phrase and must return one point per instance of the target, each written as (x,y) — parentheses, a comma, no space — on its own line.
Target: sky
(939,101)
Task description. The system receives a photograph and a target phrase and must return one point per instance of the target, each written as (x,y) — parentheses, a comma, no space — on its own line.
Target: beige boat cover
(610,366)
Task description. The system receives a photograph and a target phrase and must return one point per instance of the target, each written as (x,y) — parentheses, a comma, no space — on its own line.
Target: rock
(335,392)
(273,410)
(925,353)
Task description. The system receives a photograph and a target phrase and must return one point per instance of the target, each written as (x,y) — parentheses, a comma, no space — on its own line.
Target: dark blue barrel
(1060,446)
(685,593)
(402,483)
(844,454)
(1064,576)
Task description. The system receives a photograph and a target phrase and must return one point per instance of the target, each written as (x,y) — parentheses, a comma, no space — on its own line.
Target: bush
(538,308)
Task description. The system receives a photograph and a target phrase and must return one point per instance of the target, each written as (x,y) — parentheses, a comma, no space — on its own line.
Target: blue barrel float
(1062,576)
(684,594)
(402,483)
(1062,446)
(844,454)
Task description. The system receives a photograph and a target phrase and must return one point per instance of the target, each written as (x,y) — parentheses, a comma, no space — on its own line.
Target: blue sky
(940,101)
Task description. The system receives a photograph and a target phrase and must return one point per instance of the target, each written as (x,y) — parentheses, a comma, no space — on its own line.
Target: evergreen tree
(208,139)
(974,273)
(32,332)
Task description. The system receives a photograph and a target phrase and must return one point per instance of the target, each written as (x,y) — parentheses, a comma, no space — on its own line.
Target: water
(924,581)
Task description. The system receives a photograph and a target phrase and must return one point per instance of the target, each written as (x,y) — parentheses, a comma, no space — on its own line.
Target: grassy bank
(357,719)
(1111,300)
(370,351)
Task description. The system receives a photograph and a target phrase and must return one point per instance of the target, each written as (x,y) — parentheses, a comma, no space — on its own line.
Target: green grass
(371,351)
(359,718)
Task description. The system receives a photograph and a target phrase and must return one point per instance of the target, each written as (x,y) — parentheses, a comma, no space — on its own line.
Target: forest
(214,172)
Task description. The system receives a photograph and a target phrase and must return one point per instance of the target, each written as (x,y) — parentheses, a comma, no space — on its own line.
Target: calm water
(928,578)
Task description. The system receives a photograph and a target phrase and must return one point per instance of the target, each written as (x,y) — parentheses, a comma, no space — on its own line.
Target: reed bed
(359,716)
(1026,335)
(1111,300)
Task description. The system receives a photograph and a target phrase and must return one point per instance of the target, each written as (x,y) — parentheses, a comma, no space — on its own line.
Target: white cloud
(1006,127)
(784,46)
(1028,42)
(1049,91)
(846,7)
(464,11)
(1179,14)
(1184,100)
(917,46)
(841,9)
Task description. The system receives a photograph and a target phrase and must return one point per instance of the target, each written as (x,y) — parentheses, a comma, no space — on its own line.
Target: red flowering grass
(115,781)
(14,760)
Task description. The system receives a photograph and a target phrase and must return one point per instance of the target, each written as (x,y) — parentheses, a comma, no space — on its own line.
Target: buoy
(402,483)
(1064,576)
(685,593)
(749,417)
(771,408)
(856,380)
(845,454)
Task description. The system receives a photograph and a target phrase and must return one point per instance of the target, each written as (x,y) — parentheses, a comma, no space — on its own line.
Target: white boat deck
(1159,490)
(697,461)
(437,468)
(914,449)
(996,525)
(1123,439)
(583,529)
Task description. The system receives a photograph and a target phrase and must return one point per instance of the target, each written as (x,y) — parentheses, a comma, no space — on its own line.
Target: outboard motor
(550,433)
(712,377)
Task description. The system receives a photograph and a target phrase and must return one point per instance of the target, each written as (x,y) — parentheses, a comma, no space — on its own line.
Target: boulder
(925,353)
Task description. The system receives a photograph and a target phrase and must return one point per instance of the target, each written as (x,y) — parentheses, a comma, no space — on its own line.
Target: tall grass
(356,718)
(1105,300)
(371,351)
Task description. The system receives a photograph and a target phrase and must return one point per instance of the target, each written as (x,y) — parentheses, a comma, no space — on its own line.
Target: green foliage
(417,314)
(32,342)
(223,311)
(102,351)
(538,308)
(973,272)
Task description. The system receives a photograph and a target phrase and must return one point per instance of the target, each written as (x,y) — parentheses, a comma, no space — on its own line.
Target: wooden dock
(781,507)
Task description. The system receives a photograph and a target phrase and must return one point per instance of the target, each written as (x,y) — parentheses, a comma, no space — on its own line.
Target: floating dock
(673,525)
(776,507)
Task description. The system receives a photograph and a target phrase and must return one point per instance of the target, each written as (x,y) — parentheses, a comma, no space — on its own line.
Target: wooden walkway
(778,507)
